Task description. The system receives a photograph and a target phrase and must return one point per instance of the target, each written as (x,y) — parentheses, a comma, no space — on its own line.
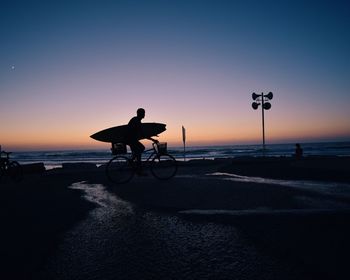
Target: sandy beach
(296,212)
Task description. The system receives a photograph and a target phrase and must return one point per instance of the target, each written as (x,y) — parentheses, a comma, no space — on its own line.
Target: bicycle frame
(10,168)
(121,168)
(4,161)
(151,156)
(154,152)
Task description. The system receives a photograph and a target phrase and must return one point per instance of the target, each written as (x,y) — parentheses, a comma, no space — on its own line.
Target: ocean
(53,159)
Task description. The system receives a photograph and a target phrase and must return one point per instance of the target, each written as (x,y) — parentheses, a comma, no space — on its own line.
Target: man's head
(140,113)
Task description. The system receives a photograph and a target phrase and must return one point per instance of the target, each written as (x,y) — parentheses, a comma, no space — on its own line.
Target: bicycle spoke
(119,170)
(163,166)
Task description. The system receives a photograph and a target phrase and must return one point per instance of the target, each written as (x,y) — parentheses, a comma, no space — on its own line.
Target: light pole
(263,100)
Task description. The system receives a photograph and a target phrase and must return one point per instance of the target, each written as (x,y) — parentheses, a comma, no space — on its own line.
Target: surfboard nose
(160,127)
(163,126)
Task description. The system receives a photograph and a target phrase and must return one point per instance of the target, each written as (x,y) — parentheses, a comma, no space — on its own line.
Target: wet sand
(308,228)
(34,214)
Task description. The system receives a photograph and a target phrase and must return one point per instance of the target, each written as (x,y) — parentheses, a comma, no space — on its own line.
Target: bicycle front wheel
(119,170)
(163,166)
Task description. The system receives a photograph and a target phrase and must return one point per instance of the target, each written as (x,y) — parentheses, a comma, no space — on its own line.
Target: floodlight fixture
(263,100)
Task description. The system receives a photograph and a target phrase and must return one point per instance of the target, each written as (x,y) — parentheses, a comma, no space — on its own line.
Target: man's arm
(153,140)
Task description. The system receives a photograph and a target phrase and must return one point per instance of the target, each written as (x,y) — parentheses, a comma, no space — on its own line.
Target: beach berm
(306,226)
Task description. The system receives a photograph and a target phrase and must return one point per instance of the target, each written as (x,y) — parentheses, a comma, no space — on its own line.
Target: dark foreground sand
(306,226)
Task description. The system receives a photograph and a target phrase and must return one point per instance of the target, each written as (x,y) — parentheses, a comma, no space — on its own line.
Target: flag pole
(184,141)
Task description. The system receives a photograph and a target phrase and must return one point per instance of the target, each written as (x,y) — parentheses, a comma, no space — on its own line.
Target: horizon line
(178,146)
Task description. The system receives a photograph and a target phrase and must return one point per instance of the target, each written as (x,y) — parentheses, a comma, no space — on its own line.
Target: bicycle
(121,168)
(11,169)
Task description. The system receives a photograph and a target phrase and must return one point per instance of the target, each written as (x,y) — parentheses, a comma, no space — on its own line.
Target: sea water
(55,158)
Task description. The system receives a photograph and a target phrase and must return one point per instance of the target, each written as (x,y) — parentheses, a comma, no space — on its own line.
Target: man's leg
(137,148)
(140,148)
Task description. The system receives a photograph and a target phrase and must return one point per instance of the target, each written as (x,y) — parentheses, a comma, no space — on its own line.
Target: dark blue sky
(212,54)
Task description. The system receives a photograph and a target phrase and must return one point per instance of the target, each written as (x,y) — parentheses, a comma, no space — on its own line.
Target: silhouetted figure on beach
(298,151)
(134,134)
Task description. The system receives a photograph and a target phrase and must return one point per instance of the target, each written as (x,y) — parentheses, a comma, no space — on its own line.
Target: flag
(183,134)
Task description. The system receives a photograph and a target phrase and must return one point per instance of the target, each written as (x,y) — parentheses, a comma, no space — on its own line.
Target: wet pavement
(119,240)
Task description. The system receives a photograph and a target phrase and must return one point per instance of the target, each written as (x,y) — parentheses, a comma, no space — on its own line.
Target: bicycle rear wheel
(15,171)
(119,170)
(163,166)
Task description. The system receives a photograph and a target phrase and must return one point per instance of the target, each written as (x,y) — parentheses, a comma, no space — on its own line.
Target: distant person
(134,134)
(298,151)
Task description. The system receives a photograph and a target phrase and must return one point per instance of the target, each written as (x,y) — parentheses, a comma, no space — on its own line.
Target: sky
(71,68)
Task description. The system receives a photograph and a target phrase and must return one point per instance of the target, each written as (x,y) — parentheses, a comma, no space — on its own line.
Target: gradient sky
(71,68)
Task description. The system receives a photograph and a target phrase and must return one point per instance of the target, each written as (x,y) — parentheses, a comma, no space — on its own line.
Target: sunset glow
(70,70)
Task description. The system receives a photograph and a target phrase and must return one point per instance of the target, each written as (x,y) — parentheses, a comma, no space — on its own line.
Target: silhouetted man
(298,151)
(135,133)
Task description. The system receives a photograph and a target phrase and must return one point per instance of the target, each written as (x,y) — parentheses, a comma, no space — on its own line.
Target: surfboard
(117,134)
